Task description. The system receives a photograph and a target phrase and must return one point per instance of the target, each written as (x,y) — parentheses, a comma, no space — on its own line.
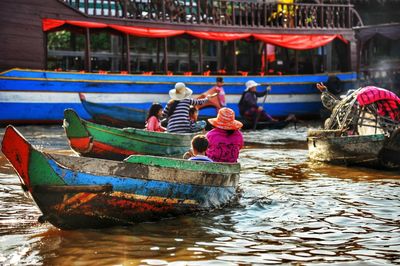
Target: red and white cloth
(387,102)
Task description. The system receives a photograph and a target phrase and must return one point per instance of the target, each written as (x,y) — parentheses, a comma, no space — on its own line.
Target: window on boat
(65,50)
(187,55)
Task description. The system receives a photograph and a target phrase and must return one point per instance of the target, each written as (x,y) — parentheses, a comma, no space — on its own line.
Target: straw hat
(225,120)
(250,84)
(180,92)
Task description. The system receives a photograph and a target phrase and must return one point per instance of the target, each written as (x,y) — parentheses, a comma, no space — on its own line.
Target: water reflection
(289,211)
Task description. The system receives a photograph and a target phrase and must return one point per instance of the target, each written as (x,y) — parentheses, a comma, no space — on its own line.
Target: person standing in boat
(177,109)
(248,107)
(225,140)
(220,90)
(153,118)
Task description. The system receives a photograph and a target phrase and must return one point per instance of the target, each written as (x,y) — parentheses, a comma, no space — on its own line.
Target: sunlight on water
(289,211)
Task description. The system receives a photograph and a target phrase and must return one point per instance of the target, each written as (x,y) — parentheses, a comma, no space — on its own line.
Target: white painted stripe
(73,97)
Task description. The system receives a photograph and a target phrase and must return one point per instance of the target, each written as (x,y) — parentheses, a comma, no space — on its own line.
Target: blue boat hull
(75,192)
(28,96)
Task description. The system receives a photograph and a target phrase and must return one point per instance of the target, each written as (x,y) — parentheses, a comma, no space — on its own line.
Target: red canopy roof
(292,41)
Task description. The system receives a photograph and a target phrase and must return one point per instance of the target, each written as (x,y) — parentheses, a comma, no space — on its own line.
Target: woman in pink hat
(225,140)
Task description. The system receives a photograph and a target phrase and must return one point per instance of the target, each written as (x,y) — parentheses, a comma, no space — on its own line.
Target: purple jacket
(249,101)
(223,147)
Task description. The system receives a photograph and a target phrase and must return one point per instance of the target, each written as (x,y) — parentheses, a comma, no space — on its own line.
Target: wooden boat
(114,115)
(33,96)
(227,49)
(77,192)
(330,147)
(100,141)
(355,135)
(119,116)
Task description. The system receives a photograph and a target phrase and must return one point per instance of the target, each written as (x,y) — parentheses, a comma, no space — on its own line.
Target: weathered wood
(22,35)
(155,168)
(95,140)
(71,189)
(348,150)
(70,197)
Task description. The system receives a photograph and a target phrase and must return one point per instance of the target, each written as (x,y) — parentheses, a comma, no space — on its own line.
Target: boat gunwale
(210,176)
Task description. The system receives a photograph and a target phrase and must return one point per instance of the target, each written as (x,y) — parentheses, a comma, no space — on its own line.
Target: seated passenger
(153,118)
(225,140)
(248,107)
(177,109)
(199,148)
(195,125)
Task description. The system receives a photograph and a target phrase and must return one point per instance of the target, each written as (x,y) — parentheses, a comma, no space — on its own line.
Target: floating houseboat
(131,52)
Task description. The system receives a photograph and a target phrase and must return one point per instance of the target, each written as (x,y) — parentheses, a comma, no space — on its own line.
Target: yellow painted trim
(148,82)
(145,82)
(153,198)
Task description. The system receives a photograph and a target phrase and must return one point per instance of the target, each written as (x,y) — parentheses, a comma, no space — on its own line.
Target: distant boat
(113,115)
(119,116)
(364,150)
(100,141)
(359,131)
(77,192)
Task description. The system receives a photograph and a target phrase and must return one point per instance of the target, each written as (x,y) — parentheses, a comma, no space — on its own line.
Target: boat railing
(232,13)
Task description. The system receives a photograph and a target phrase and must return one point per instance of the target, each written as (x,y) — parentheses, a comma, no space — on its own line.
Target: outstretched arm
(321,87)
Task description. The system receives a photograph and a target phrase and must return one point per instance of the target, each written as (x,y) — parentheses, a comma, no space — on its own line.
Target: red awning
(292,41)
(299,42)
(147,32)
(218,36)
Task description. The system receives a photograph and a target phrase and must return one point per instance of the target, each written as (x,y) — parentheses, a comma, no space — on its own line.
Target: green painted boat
(100,141)
(78,192)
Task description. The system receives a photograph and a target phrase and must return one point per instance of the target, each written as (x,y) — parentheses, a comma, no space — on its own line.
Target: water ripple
(289,211)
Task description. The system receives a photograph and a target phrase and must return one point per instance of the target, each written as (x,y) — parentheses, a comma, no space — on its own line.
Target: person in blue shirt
(199,148)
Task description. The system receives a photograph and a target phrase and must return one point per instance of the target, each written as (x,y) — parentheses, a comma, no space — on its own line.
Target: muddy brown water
(290,211)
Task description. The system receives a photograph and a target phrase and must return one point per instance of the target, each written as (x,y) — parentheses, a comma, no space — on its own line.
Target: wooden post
(163,10)
(265,58)
(124,8)
(353,52)
(158,54)
(166,55)
(200,66)
(234,58)
(219,44)
(45,50)
(329,57)
(360,49)
(128,53)
(198,11)
(190,55)
(88,61)
(251,55)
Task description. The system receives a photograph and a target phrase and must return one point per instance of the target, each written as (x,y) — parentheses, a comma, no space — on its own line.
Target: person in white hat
(177,109)
(248,107)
